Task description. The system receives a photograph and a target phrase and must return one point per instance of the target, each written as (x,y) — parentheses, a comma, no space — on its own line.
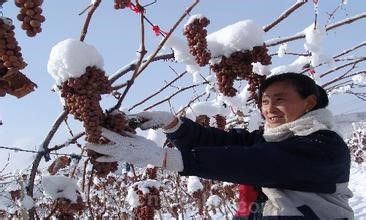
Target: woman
(301,165)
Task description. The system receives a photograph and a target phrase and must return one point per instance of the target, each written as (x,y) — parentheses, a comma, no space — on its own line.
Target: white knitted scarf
(320,119)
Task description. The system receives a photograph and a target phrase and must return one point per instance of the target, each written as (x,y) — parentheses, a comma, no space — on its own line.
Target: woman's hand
(136,150)
(156,119)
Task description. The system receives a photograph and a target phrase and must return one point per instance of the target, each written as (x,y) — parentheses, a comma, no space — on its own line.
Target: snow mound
(69,58)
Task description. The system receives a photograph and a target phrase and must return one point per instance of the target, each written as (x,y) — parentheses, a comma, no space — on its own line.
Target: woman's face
(281,103)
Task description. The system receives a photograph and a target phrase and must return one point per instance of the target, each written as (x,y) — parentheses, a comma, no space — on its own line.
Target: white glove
(154,119)
(136,150)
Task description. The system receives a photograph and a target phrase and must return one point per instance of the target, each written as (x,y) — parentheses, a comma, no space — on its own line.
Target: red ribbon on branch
(136,8)
(311,71)
(156,29)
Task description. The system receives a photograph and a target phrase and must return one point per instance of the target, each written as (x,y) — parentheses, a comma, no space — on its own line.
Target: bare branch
(153,56)
(331,14)
(17,149)
(6,164)
(341,54)
(174,94)
(284,15)
(83,11)
(350,49)
(346,59)
(361,96)
(339,85)
(88,198)
(346,21)
(188,10)
(39,156)
(88,18)
(53,210)
(190,102)
(52,132)
(142,53)
(84,174)
(68,127)
(159,91)
(344,76)
(141,68)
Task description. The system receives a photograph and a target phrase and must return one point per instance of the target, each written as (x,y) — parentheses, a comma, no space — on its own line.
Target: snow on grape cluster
(234,66)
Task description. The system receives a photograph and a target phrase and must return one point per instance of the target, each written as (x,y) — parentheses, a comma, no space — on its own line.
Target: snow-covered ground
(358,186)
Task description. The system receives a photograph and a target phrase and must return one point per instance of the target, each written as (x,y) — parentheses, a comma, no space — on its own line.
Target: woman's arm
(191,134)
(312,163)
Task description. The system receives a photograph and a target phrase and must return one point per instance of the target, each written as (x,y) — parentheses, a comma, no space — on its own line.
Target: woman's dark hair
(303,84)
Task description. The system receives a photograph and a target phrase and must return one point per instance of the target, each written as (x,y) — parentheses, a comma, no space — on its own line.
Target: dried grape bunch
(121,4)
(175,209)
(359,156)
(151,172)
(4,87)
(102,169)
(260,54)
(231,191)
(240,63)
(67,209)
(225,81)
(10,54)
(82,96)
(238,66)
(149,202)
(58,164)
(15,194)
(196,33)
(64,216)
(230,68)
(220,121)
(254,81)
(117,122)
(357,143)
(203,120)
(144,212)
(31,16)
(14,82)
(199,198)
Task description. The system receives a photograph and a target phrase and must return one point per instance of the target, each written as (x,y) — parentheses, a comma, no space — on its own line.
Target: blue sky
(115,34)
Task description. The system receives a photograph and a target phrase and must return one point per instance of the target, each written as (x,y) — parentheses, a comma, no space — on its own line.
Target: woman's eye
(265,102)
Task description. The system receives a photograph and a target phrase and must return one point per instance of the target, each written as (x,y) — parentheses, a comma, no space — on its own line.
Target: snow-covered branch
(132,66)
(300,35)
(352,64)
